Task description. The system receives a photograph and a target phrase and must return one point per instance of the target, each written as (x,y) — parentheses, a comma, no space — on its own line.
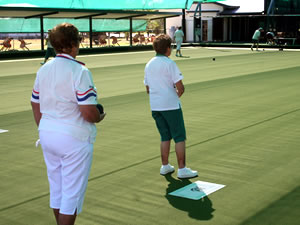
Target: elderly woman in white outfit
(178,36)
(64,101)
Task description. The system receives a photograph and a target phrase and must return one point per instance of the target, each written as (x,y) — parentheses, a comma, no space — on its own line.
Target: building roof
(31,12)
(234,7)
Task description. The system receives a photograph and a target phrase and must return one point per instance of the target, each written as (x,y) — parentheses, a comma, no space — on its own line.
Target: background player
(178,36)
(50,50)
(256,37)
(163,81)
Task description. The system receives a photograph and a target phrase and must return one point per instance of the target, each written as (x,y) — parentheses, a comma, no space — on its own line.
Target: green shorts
(170,125)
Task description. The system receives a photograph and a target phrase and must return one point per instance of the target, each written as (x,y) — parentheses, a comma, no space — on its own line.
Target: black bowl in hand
(100,108)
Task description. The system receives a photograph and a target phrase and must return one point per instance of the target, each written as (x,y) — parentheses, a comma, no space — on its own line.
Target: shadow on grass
(197,209)
(283,211)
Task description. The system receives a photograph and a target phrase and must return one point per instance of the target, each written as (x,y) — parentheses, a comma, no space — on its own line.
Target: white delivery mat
(197,190)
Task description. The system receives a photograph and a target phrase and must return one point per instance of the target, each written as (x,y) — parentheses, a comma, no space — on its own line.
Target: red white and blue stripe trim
(85,95)
(35,94)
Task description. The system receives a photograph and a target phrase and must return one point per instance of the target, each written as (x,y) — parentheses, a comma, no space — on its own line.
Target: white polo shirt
(179,35)
(161,74)
(61,85)
(256,35)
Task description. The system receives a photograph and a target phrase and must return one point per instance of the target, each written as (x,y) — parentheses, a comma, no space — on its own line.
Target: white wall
(189,30)
(176,21)
(211,6)
(210,29)
(173,21)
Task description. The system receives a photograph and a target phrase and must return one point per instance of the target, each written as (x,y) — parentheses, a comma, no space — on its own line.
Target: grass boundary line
(24,202)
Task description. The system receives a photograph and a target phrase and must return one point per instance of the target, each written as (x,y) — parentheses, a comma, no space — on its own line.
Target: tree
(156,26)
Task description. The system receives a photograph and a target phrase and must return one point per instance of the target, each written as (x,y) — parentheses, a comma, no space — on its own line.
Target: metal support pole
(91,31)
(194,37)
(165,26)
(200,14)
(42,32)
(270,14)
(271,8)
(183,23)
(197,16)
(130,31)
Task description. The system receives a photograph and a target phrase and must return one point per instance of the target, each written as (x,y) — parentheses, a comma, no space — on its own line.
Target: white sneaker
(186,173)
(164,170)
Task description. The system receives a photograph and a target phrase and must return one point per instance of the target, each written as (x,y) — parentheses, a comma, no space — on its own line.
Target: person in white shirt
(178,36)
(255,38)
(163,81)
(64,100)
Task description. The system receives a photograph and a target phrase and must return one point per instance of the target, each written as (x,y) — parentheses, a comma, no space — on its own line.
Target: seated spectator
(152,38)
(142,39)
(102,40)
(270,38)
(135,39)
(96,41)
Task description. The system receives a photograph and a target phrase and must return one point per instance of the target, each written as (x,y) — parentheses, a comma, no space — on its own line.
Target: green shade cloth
(8,25)
(104,5)
(20,25)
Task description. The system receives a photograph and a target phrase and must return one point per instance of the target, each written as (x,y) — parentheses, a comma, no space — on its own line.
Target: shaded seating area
(140,39)
(38,19)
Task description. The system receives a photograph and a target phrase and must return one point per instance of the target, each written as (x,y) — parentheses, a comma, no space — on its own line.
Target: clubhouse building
(236,20)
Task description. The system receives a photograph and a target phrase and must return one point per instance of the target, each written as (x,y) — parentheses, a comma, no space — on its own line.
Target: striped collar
(70,58)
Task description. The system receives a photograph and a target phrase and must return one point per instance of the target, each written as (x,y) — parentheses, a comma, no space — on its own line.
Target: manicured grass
(242,114)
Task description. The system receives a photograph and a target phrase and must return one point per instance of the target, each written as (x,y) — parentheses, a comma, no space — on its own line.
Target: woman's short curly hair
(64,37)
(162,43)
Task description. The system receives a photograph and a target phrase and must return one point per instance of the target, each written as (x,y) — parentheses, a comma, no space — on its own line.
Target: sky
(246,5)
